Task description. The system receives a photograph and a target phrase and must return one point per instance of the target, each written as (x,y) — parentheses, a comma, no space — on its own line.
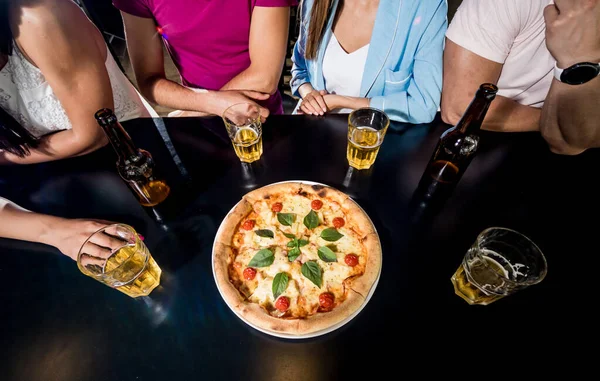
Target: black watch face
(580,73)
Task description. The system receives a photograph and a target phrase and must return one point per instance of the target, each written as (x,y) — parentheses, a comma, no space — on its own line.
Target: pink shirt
(207,39)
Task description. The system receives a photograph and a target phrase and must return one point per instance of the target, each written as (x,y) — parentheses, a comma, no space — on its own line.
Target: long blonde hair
(319,15)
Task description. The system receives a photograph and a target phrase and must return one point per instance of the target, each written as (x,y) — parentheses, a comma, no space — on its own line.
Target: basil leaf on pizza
(266,233)
(312,272)
(293,243)
(302,242)
(290,236)
(293,254)
(311,220)
(280,283)
(286,219)
(263,258)
(326,254)
(331,235)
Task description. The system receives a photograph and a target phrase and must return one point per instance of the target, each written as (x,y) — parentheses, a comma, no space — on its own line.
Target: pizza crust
(231,222)
(359,218)
(324,320)
(365,282)
(223,255)
(323,191)
(258,316)
(265,192)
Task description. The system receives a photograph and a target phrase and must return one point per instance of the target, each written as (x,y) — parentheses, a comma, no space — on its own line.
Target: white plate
(286,335)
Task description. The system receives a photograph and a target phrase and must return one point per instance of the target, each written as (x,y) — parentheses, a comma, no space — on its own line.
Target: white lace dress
(26,96)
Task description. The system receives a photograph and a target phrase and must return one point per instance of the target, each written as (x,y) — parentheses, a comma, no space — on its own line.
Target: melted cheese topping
(301,291)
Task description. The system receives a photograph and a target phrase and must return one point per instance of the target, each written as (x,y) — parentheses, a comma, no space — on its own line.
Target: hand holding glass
(116,256)
(244,126)
(366,130)
(500,262)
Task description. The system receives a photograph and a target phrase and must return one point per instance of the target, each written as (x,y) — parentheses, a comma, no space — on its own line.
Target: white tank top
(26,96)
(343,72)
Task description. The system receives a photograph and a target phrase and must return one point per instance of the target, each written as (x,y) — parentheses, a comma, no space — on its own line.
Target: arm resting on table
(71,54)
(268,42)
(464,72)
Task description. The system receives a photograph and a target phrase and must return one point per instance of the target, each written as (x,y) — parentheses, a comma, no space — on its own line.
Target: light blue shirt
(403,72)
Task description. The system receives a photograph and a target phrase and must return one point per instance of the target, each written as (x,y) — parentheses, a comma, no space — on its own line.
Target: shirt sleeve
(139,8)
(487,28)
(275,3)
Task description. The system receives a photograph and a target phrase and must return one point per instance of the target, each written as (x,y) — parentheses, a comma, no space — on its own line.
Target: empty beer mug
(500,262)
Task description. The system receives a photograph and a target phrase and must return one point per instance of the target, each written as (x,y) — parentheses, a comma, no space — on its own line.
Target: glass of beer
(500,262)
(245,130)
(366,130)
(116,256)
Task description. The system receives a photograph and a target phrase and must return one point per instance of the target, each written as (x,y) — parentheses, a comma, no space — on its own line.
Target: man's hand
(573,31)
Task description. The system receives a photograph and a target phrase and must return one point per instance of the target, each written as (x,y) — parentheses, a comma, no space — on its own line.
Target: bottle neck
(121,142)
(472,119)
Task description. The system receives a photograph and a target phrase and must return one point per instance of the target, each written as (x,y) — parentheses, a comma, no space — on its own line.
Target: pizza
(296,258)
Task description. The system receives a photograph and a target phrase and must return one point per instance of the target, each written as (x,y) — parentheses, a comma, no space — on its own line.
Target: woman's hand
(221,100)
(313,103)
(68,236)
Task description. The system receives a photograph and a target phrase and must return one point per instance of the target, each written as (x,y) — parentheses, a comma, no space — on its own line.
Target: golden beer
(247,144)
(483,284)
(122,261)
(135,267)
(244,126)
(366,130)
(151,193)
(363,146)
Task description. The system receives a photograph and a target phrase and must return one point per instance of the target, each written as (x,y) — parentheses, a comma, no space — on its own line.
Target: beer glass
(366,130)
(245,130)
(500,262)
(116,256)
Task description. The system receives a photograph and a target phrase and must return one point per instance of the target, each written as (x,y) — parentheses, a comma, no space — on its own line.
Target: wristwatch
(577,74)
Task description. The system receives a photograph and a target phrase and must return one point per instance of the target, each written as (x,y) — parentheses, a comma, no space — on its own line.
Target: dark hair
(14,138)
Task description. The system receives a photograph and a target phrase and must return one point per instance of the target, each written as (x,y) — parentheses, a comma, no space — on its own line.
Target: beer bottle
(135,165)
(457,147)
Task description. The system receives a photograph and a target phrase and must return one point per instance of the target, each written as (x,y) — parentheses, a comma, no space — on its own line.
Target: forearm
(24,225)
(353,102)
(253,79)
(60,145)
(167,93)
(569,117)
(505,115)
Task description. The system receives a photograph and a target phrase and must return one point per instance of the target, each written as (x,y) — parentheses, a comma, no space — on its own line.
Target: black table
(57,324)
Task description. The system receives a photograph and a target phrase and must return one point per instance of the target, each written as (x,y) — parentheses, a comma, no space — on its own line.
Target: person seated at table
(384,54)
(67,235)
(239,45)
(55,73)
(504,42)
